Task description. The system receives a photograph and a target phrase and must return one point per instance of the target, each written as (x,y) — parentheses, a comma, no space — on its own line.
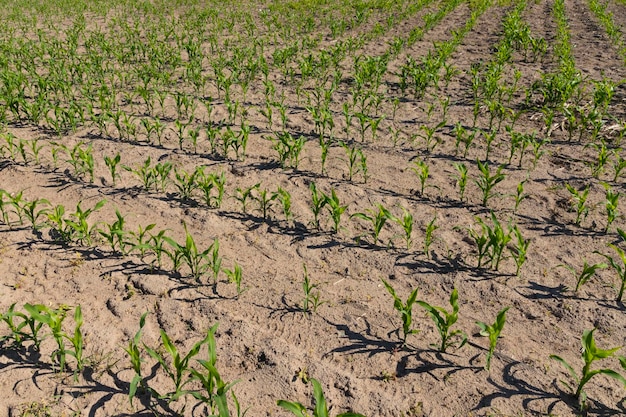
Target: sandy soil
(350,342)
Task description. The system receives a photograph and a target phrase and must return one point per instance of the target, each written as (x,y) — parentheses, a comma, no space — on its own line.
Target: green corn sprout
(591,353)
(284,197)
(422,171)
(461,180)
(19,334)
(612,199)
(177,367)
(487,181)
(335,208)
(405,310)
(428,237)
(311,300)
(377,218)
(620,269)
(586,274)
(493,331)
(187,183)
(112,163)
(33,214)
(321,408)
(243,194)
(115,235)
(519,249)
(519,195)
(265,200)
(318,201)
(579,200)
(444,320)
(235,276)
(134,353)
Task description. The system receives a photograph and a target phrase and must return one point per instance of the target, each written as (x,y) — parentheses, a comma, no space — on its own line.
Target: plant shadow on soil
(518,386)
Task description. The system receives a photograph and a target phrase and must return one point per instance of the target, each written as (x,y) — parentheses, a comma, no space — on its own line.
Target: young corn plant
(54,319)
(321,408)
(235,276)
(215,389)
(335,208)
(196,260)
(620,269)
(112,164)
(175,365)
(493,331)
(377,218)
(243,194)
(318,201)
(428,237)
(487,182)
(311,300)
(589,354)
(406,312)
(444,321)
(579,202)
(28,329)
(519,250)
(519,195)
(422,171)
(461,179)
(588,272)
(406,222)
(612,199)
(33,213)
(115,235)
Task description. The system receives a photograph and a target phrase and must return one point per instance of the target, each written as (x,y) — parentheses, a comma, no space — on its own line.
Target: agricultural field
(312,208)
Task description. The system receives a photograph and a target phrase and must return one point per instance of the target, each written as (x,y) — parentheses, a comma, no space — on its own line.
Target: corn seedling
(284,198)
(115,234)
(352,155)
(176,367)
(335,208)
(266,199)
(620,269)
(112,163)
(377,218)
(428,237)
(26,330)
(311,300)
(444,320)
(406,222)
(243,194)
(612,199)
(146,174)
(209,182)
(318,201)
(405,310)
(422,170)
(134,353)
(32,213)
(487,182)
(519,195)
(461,179)
(519,249)
(590,353)
(141,240)
(493,331)
(321,409)
(578,202)
(588,272)
(215,389)
(234,276)
(186,183)
(196,260)
(54,319)
(288,149)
